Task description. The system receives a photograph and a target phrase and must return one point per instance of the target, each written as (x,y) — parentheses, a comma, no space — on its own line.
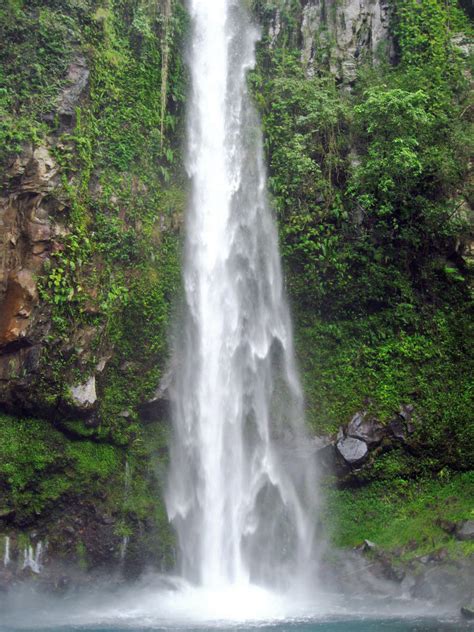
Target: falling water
(32,557)
(6,553)
(241,488)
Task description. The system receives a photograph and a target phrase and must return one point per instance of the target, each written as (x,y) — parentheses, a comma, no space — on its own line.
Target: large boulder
(353,451)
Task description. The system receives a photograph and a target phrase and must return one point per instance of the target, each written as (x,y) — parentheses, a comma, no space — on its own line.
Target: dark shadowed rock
(447,525)
(352,450)
(465,531)
(158,407)
(326,456)
(406,412)
(467,612)
(397,428)
(365,428)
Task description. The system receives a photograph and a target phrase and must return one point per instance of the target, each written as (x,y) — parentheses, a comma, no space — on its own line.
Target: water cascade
(32,557)
(6,553)
(242,492)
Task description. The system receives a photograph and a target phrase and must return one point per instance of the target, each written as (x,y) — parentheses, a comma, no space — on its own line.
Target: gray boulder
(352,450)
(465,531)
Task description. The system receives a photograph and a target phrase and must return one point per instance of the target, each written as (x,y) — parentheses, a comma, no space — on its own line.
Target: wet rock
(467,612)
(365,428)
(84,395)
(352,450)
(26,241)
(465,531)
(159,406)
(392,572)
(423,589)
(16,308)
(326,457)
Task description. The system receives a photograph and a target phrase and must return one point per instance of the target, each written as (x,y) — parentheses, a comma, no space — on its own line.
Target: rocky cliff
(365,114)
(90,206)
(332,35)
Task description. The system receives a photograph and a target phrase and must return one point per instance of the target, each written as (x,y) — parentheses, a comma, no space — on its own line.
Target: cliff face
(364,111)
(338,36)
(26,242)
(90,206)
(365,114)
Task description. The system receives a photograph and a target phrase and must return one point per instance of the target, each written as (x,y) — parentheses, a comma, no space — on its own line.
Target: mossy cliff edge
(92,97)
(366,115)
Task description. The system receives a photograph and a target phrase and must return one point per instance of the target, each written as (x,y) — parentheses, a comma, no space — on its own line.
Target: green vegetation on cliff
(100,85)
(409,518)
(371,187)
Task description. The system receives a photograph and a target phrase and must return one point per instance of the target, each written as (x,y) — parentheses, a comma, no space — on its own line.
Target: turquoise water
(159,605)
(420,625)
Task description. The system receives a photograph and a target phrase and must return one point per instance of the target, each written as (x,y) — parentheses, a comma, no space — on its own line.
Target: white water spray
(32,558)
(6,552)
(242,487)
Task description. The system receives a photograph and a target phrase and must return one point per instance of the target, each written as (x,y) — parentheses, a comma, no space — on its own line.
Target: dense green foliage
(45,476)
(370,187)
(113,275)
(405,517)
(118,267)
(372,193)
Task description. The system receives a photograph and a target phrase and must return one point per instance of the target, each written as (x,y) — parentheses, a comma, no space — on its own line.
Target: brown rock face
(19,298)
(26,242)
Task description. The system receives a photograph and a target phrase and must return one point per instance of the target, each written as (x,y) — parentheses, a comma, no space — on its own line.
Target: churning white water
(242,492)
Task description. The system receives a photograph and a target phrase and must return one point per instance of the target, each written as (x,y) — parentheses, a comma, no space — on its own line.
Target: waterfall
(241,492)
(32,557)
(6,553)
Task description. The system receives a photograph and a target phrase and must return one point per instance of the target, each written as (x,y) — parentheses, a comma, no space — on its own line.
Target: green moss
(28,449)
(39,466)
(81,555)
(404,515)
(43,34)
(370,363)
(94,460)
(42,471)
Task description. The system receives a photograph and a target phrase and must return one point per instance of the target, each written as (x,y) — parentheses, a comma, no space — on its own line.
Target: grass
(403,516)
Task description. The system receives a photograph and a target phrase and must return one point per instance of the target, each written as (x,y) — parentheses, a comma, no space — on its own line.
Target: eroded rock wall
(335,35)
